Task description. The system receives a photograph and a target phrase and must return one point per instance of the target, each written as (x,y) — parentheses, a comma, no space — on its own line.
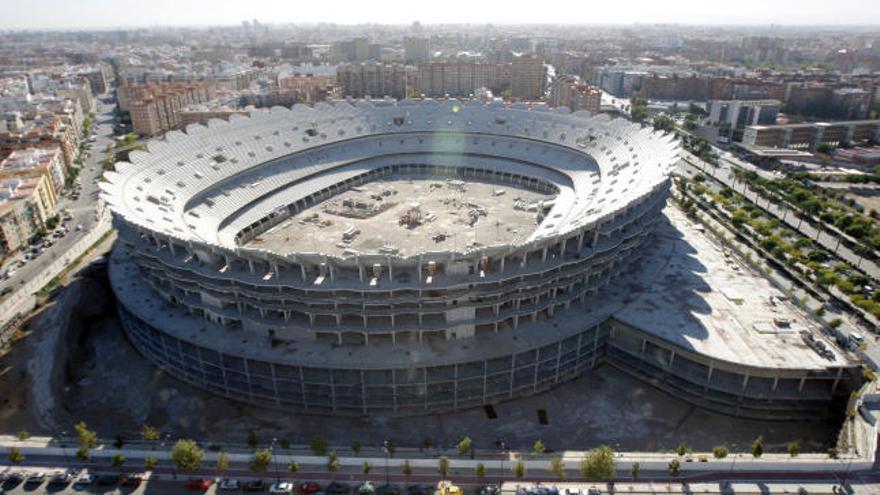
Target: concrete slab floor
(444,206)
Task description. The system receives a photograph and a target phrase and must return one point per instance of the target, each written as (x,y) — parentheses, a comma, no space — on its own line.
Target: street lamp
(733,452)
(274,466)
(385,451)
(503,447)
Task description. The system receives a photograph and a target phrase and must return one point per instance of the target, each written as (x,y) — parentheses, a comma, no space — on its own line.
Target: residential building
(571,92)
(527,77)
(732,116)
(417,50)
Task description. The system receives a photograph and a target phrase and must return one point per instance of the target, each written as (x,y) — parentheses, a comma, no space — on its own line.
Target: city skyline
(104,14)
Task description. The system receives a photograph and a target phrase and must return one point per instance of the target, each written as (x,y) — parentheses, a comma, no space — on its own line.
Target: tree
(293,467)
(15,455)
(794,449)
(86,439)
(186,455)
(23,434)
(149,434)
(332,462)
(118,460)
(758,446)
(664,123)
(391,448)
(407,468)
(539,448)
(427,443)
(682,448)
(119,442)
(719,451)
(356,446)
(480,470)
(598,464)
(261,460)
(557,467)
(464,446)
(150,463)
(222,461)
(674,467)
(252,439)
(367,467)
(443,466)
(634,470)
(318,444)
(833,453)
(519,469)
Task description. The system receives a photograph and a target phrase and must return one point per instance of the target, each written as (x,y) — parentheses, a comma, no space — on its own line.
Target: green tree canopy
(598,464)
(186,455)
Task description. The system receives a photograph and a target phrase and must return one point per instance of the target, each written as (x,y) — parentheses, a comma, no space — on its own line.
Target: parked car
(37,477)
(84,479)
(281,488)
(106,479)
(14,477)
(254,486)
(228,484)
(308,488)
(131,479)
(366,488)
(488,490)
(336,488)
(198,484)
(61,477)
(388,489)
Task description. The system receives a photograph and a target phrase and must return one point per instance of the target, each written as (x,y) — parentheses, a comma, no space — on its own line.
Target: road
(82,210)
(724,174)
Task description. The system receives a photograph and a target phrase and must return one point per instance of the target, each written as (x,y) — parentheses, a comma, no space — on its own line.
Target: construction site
(406,217)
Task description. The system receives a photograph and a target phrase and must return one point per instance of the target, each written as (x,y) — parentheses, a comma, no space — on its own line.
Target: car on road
(366,488)
(281,488)
(79,227)
(308,488)
(337,488)
(254,486)
(36,478)
(488,490)
(198,484)
(229,484)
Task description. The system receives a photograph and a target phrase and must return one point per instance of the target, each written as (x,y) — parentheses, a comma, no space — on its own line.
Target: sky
(87,14)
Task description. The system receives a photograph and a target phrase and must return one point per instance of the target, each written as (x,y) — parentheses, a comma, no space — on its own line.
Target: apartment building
(26,205)
(36,161)
(416,50)
(571,92)
(374,79)
(155,108)
(527,76)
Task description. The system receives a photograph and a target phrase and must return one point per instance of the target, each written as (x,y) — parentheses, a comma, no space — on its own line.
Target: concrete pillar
(801,385)
(544,254)
(302,271)
(360,271)
(502,263)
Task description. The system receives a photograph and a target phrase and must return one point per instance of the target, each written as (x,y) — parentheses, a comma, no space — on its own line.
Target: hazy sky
(38,14)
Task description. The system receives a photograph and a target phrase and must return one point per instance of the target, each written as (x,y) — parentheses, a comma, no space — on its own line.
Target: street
(83,210)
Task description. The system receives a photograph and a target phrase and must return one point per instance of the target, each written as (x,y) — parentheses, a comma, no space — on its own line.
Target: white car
(282,488)
(229,484)
(84,479)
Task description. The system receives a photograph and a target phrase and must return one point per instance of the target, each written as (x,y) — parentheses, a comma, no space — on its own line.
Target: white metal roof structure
(208,184)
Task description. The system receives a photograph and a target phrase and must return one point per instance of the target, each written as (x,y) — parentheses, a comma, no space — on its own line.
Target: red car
(308,488)
(198,485)
(131,479)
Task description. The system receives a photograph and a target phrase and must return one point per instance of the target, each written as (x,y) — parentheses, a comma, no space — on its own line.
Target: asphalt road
(82,210)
